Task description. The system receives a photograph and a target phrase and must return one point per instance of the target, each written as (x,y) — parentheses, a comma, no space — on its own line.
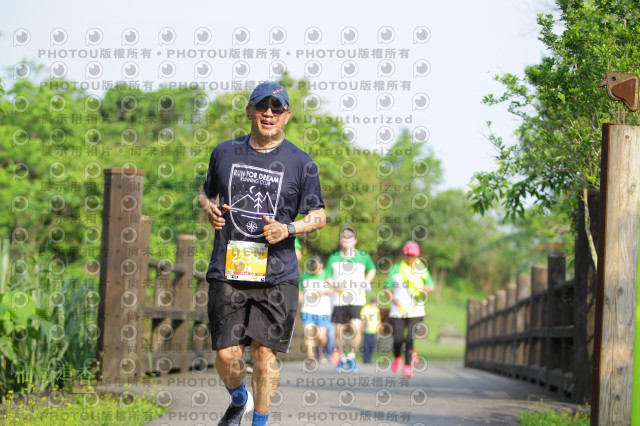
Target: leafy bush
(47,326)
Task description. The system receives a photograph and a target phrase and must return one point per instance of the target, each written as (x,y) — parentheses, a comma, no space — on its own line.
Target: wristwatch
(292,229)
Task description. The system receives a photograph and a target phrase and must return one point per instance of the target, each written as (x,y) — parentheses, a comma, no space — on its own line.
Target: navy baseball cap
(268,88)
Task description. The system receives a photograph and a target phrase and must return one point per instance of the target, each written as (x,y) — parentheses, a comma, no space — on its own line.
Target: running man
(262,181)
(351,272)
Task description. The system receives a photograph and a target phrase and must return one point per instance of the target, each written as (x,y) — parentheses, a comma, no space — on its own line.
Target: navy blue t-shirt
(278,184)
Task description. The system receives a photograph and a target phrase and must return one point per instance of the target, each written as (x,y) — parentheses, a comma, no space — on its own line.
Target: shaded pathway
(443,394)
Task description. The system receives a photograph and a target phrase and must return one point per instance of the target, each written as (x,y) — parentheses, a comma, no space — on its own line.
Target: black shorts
(344,314)
(239,313)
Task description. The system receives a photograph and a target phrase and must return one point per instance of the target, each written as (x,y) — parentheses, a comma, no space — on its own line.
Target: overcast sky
(383,66)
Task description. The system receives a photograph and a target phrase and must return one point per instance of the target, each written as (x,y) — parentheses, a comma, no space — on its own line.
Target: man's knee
(311,331)
(261,352)
(264,359)
(228,355)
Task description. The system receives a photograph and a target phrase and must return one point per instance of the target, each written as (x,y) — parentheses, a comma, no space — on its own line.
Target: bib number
(246,261)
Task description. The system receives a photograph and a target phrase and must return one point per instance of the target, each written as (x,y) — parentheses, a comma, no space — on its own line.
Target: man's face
(268,117)
(348,240)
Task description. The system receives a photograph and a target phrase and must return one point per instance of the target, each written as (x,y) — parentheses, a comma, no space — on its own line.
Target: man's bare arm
(212,210)
(275,231)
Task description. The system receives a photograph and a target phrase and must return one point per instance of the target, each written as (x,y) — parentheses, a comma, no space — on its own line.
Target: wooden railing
(540,329)
(148,324)
(526,331)
(153,312)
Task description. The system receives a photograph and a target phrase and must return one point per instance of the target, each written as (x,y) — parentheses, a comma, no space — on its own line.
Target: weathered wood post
(183,295)
(477,334)
(143,282)
(162,331)
(501,303)
(584,302)
(510,329)
(200,335)
(557,270)
(483,330)
(523,292)
(537,344)
(121,213)
(491,330)
(468,351)
(617,275)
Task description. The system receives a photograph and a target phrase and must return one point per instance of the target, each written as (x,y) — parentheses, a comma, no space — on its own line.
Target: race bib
(246,261)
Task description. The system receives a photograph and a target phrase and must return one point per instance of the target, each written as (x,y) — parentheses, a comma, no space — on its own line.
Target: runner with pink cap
(407,285)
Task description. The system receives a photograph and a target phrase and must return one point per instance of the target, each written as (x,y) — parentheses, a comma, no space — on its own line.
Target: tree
(561,108)
(480,251)
(57,139)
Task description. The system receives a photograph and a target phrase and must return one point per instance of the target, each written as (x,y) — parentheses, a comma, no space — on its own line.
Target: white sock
(351,355)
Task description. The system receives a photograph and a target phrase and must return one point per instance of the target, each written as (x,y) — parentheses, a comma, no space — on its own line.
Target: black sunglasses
(270,103)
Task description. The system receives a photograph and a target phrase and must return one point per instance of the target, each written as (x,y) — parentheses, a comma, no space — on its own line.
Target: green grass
(430,351)
(451,310)
(550,417)
(81,409)
(438,352)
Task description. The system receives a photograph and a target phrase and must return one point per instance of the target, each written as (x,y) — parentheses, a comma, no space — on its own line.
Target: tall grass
(48,320)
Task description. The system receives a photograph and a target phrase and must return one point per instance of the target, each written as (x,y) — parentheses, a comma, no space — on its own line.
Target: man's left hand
(274,231)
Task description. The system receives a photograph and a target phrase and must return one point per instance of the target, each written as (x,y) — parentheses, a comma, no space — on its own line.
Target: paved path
(442,394)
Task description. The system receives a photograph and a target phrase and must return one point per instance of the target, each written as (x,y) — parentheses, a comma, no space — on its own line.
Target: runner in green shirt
(351,272)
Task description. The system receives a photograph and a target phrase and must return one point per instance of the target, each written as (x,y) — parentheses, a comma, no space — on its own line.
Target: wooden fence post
(617,275)
(501,304)
(491,330)
(584,302)
(143,282)
(556,275)
(183,295)
(162,331)
(477,332)
(483,316)
(523,292)
(537,345)
(470,349)
(121,213)
(201,337)
(510,328)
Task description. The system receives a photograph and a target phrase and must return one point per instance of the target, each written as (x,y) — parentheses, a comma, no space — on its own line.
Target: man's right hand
(213,211)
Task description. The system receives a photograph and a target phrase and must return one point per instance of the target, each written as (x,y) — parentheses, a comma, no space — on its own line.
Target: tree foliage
(475,249)
(57,140)
(561,108)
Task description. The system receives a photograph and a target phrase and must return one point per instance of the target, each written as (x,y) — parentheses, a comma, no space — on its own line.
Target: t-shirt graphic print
(278,184)
(254,192)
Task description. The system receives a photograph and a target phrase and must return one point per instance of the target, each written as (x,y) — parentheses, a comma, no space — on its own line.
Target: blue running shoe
(351,366)
(342,364)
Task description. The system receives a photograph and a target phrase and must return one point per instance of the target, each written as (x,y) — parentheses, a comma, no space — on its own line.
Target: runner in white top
(351,273)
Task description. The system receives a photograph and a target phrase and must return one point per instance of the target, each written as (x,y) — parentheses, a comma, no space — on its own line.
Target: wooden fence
(148,323)
(540,329)
(152,312)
